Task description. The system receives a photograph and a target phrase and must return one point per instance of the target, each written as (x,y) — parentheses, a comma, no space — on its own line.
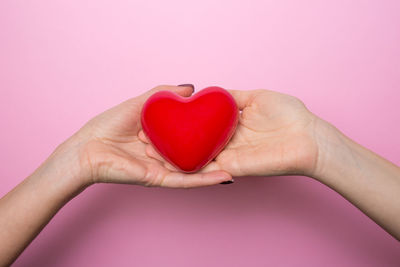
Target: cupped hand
(109,150)
(275,136)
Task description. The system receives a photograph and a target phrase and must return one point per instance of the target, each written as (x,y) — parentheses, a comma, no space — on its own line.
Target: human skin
(278,135)
(106,150)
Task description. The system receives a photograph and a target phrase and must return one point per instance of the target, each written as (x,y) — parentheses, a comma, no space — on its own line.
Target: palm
(273,137)
(114,153)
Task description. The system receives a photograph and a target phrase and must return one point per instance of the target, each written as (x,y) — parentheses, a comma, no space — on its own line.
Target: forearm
(367,180)
(29,207)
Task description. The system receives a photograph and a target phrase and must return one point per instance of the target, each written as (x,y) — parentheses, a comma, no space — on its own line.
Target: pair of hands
(276,135)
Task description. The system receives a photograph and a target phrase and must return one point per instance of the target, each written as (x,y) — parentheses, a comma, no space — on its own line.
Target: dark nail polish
(228,182)
(187,85)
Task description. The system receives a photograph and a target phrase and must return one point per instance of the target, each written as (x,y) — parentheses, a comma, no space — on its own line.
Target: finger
(183,90)
(182,180)
(212,166)
(244,98)
(228,160)
(171,167)
(143,137)
(152,153)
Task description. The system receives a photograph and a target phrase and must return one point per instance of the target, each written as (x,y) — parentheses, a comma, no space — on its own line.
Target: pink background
(62,62)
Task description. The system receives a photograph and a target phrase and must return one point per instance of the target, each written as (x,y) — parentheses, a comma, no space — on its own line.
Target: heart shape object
(189,132)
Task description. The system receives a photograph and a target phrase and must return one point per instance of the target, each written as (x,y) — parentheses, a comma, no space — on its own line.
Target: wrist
(64,168)
(334,151)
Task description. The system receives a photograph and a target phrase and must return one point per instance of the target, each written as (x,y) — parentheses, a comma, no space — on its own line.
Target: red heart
(190,131)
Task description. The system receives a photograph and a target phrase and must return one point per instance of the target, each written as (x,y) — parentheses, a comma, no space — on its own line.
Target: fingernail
(228,182)
(187,85)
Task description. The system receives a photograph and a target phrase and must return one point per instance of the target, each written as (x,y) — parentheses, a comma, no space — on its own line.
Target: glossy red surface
(190,131)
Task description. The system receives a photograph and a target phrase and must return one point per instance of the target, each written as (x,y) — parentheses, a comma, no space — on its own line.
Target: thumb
(244,98)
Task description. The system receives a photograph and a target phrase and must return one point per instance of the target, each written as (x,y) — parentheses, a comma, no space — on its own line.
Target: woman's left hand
(108,150)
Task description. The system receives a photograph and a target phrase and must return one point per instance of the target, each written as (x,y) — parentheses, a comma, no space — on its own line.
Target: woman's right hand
(277,135)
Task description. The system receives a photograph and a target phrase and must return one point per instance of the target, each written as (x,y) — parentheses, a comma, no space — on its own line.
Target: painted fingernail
(228,182)
(187,85)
